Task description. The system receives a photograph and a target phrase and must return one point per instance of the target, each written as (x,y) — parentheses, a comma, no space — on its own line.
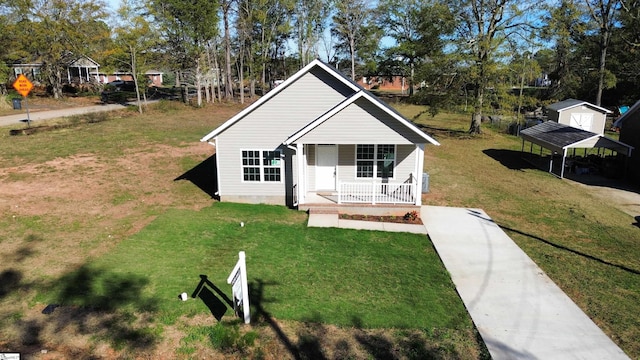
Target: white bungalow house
(319,133)
(79,69)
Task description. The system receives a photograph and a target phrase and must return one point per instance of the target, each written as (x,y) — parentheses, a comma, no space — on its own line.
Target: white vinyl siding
(361,123)
(267,126)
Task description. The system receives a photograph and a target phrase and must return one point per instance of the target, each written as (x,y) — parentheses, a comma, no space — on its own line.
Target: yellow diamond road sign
(23,85)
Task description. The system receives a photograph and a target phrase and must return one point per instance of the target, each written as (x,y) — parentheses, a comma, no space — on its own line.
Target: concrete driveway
(518,310)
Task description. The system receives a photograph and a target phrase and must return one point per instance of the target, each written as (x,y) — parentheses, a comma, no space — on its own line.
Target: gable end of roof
(315,63)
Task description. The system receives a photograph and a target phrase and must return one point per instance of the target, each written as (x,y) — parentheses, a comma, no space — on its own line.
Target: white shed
(579,114)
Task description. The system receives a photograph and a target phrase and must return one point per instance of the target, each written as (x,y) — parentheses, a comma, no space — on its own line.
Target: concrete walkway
(518,310)
(21,117)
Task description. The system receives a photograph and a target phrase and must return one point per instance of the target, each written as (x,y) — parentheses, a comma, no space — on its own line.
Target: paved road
(52,114)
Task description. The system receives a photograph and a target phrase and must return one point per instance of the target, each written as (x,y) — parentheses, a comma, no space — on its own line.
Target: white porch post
(419,169)
(300,155)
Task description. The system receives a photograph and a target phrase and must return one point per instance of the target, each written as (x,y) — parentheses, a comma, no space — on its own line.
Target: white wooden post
(240,289)
(301,180)
(417,190)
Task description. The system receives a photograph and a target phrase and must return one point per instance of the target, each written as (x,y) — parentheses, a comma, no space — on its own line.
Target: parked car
(121,85)
(118,91)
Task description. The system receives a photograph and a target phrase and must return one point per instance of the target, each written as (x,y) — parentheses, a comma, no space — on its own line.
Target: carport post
(564,158)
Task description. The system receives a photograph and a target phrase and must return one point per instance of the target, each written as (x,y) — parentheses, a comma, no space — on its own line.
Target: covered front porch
(373,174)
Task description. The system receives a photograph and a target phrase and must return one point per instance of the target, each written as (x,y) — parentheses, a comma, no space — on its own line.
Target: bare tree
(348,23)
(604,13)
(484,25)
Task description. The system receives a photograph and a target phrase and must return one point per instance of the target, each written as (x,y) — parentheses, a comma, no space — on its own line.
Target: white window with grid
(261,166)
(375,161)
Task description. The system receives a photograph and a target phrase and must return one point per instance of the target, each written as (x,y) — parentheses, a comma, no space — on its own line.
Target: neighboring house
(154,77)
(385,83)
(579,114)
(77,69)
(319,133)
(629,125)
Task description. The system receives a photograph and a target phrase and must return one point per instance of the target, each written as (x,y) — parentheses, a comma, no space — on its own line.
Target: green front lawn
(366,279)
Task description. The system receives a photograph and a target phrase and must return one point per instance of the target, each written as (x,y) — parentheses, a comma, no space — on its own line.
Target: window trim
(375,161)
(261,166)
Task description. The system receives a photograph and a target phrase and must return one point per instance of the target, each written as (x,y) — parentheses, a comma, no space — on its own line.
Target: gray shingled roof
(558,137)
(570,103)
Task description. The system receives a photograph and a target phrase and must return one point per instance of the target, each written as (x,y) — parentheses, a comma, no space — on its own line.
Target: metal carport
(559,138)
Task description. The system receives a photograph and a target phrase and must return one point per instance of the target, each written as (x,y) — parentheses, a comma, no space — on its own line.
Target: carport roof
(559,137)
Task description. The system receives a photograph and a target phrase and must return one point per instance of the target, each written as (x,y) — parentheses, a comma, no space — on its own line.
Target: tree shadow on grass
(562,247)
(444,132)
(312,342)
(557,246)
(573,251)
(510,159)
(95,302)
(204,176)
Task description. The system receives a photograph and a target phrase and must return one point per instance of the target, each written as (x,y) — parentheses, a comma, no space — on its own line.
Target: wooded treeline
(453,53)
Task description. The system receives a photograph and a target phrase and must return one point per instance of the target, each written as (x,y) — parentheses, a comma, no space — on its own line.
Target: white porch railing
(376,193)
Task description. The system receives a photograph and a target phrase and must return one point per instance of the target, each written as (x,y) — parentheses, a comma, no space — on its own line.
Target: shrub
(411,216)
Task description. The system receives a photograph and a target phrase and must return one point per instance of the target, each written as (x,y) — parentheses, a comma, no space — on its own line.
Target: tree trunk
(352,46)
(134,71)
(476,120)
(217,75)
(241,78)
(601,71)
(198,83)
(228,86)
(481,82)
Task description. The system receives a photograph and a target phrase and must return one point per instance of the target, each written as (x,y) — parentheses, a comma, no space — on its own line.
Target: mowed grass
(350,278)
(344,277)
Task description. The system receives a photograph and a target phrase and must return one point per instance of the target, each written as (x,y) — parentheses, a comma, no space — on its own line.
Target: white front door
(326,161)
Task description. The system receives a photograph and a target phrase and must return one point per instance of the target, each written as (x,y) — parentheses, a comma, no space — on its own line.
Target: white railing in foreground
(376,193)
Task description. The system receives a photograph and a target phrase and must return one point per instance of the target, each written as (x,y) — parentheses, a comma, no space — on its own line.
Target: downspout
(214,144)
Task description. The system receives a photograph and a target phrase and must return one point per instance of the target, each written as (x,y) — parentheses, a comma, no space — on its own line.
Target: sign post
(240,289)
(23,86)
